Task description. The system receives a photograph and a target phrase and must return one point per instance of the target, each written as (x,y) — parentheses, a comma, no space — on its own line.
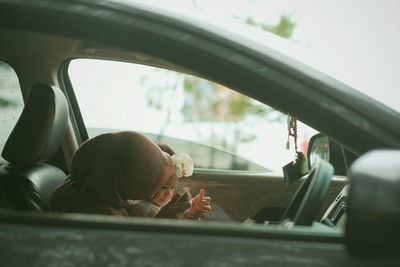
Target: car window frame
(80,128)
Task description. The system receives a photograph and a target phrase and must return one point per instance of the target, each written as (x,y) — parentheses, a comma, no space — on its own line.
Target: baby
(108,170)
(164,204)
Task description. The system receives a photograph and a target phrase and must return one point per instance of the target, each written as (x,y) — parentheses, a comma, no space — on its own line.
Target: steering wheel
(304,206)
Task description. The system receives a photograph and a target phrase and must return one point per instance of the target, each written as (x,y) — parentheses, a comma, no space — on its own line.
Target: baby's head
(164,196)
(183,166)
(120,166)
(164,147)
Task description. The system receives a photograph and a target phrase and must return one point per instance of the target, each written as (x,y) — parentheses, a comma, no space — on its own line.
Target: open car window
(218,127)
(11,102)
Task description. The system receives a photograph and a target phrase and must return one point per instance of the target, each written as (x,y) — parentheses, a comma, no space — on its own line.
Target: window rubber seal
(75,113)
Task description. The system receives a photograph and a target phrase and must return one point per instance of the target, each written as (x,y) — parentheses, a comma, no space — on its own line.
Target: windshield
(358,46)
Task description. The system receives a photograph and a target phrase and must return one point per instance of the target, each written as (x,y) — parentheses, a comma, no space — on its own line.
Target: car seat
(26,181)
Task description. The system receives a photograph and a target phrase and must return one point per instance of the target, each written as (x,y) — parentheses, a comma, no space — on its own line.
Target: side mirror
(323,147)
(318,149)
(373,213)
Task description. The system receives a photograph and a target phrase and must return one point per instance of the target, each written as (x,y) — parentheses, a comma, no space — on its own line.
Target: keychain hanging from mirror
(292,132)
(298,167)
(300,158)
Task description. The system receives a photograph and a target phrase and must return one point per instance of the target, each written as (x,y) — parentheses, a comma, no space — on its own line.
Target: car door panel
(241,195)
(81,241)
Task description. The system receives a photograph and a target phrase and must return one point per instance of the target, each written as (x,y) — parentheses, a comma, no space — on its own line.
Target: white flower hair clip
(183,165)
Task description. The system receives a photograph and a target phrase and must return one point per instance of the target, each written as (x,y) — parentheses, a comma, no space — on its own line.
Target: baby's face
(165,194)
(166,172)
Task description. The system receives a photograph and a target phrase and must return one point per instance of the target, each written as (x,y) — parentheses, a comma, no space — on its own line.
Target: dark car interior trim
(75,113)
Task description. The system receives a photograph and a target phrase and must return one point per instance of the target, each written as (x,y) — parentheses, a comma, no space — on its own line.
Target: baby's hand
(177,206)
(200,205)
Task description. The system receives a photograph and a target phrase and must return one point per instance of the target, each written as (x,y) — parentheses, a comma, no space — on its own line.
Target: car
(55,57)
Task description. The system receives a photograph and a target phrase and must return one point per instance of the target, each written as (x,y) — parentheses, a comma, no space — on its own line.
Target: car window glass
(218,127)
(11,102)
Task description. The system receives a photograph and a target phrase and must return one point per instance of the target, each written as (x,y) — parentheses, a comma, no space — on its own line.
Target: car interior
(36,164)
(301,168)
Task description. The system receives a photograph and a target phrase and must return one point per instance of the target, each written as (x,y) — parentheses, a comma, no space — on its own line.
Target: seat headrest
(41,127)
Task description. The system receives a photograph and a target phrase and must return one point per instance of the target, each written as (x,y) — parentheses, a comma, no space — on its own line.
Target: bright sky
(357,41)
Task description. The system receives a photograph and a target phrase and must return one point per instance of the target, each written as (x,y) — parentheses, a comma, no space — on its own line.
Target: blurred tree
(208,102)
(4,103)
(161,96)
(284,28)
(4,71)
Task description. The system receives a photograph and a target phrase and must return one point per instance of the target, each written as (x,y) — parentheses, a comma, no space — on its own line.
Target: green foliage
(4,83)
(284,28)
(4,103)
(211,102)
